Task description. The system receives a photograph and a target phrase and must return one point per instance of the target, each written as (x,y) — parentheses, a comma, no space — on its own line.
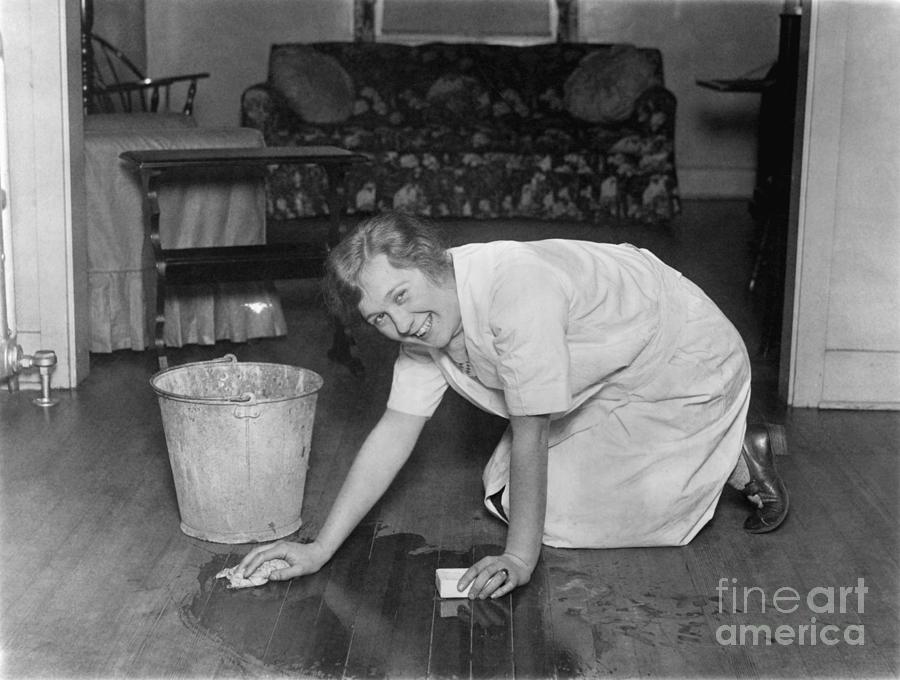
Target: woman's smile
(424,328)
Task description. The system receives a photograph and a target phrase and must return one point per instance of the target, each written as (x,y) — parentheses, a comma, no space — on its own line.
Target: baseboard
(859,405)
(861,379)
(716,182)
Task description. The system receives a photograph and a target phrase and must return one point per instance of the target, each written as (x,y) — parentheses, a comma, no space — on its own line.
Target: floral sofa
(554,131)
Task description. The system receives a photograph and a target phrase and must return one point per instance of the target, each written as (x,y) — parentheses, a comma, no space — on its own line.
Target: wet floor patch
(651,617)
(605,622)
(371,611)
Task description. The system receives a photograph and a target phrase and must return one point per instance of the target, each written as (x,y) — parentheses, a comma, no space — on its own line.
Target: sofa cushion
(441,137)
(606,85)
(315,85)
(462,85)
(471,97)
(457,97)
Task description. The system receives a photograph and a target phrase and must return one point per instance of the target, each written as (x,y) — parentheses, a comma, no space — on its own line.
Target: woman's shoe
(765,489)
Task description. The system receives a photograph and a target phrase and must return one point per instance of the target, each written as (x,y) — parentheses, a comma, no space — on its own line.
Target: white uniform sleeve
(418,384)
(529,320)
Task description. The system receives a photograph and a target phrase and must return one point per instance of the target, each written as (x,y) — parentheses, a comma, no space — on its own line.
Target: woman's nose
(403,322)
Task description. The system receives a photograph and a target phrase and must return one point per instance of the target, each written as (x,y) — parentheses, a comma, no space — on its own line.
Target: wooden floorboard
(99,581)
(451,630)
(491,646)
(533,642)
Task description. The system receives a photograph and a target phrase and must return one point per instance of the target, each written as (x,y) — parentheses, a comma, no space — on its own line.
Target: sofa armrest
(263,108)
(654,111)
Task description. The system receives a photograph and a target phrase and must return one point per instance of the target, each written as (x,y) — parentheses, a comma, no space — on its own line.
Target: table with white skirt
(211,211)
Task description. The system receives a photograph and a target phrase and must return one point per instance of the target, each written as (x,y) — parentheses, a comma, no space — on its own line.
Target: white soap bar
(446,580)
(257,578)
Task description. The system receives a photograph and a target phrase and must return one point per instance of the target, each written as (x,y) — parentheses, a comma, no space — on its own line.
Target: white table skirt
(196,213)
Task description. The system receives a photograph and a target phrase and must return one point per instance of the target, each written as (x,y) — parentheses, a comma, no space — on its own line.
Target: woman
(625,387)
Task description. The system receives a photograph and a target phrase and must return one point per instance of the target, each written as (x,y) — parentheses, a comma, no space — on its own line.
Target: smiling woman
(625,387)
(405,305)
(398,277)
(405,241)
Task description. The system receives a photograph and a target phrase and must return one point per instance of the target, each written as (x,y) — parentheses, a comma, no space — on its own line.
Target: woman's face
(405,305)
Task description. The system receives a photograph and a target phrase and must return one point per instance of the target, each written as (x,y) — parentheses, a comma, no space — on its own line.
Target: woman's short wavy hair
(407,241)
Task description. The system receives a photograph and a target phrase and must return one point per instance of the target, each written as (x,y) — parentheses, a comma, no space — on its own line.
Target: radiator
(12,360)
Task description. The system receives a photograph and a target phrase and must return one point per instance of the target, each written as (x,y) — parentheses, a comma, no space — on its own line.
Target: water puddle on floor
(607,621)
(373,610)
(650,617)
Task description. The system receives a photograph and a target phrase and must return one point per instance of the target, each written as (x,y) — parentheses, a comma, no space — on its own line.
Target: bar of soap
(446,580)
(257,578)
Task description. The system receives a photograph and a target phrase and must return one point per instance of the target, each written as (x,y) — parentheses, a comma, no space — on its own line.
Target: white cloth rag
(257,578)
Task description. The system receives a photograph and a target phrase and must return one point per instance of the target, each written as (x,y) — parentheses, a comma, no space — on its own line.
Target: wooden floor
(99,581)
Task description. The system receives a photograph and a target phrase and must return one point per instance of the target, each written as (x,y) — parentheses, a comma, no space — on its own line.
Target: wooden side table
(776,170)
(240,263)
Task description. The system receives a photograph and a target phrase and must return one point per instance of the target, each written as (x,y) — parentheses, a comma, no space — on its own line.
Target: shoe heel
(777,439)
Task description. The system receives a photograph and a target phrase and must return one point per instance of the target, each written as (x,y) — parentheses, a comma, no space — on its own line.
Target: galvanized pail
(238,436)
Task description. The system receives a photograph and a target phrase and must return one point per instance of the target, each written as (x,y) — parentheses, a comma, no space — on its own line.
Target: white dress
(646,381)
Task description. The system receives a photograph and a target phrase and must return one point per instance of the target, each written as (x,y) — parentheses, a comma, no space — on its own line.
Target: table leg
(151,218)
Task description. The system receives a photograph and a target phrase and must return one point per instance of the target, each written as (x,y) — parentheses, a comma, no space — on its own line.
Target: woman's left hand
(495,576)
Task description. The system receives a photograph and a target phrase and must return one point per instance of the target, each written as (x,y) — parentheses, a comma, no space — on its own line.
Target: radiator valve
(44,360)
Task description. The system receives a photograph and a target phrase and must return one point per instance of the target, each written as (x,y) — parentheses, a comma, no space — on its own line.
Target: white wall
(46,181)
(123,23)
(230,39)
(716,133)
(845,350)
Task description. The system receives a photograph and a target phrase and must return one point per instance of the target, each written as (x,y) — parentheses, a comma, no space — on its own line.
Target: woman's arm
(527,509)
(527,488)
(385,450)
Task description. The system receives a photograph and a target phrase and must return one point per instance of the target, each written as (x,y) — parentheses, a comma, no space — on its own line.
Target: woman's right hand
(304,558)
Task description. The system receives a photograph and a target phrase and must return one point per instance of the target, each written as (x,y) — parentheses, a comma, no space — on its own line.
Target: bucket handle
(245,398)
(228,357)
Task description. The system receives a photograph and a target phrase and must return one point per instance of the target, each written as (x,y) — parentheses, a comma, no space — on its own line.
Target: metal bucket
(238,436)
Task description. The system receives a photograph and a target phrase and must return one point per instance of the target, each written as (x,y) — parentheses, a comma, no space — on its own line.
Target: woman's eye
(400,297)
(378,319)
